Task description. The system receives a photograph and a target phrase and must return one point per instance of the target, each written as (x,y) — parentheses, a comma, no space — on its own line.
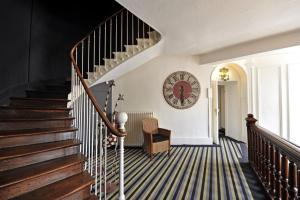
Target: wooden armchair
(155,139)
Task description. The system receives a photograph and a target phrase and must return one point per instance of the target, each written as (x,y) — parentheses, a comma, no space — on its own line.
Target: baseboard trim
(191,141)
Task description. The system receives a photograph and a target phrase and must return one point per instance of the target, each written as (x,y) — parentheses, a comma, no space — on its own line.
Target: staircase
(116,40)
(52,142)
(39,155)
(104,54)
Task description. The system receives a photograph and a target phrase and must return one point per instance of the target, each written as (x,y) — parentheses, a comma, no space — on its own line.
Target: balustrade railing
(112,42)
(275,160)
(116,39)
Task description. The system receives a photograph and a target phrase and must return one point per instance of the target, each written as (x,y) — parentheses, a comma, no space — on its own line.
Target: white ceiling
(202,26)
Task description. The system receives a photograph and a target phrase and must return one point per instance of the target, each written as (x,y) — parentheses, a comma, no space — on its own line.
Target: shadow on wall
(37,40)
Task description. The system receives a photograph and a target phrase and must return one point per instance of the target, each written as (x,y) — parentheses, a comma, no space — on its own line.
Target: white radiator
(134,128)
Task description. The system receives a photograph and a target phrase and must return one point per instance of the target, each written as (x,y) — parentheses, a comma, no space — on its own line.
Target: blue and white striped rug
(196,172)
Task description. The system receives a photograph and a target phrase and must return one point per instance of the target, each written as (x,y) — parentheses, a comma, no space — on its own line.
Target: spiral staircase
(52,142)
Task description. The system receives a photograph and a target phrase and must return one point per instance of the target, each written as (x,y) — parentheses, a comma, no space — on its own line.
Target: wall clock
(181,90)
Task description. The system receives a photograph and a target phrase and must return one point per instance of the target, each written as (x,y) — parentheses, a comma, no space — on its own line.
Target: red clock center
(182,90)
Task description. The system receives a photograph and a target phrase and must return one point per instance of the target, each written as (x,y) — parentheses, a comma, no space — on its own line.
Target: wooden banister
(91,96)
(275,160)
(109,125)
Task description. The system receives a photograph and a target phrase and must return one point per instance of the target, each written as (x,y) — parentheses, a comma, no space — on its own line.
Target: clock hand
(181,90)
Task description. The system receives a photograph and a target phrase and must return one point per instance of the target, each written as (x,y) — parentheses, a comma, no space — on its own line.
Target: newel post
(250,123)
(121,119)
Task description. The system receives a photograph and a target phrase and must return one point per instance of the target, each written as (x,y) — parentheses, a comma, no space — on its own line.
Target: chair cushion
(159,137)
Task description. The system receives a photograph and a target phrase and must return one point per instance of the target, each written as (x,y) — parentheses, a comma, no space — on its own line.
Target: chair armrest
(148,136)
(165,132)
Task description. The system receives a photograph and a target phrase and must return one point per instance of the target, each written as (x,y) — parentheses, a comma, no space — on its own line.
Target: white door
(215,112)
(233,116)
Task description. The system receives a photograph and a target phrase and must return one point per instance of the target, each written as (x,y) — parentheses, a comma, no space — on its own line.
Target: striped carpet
(191,172)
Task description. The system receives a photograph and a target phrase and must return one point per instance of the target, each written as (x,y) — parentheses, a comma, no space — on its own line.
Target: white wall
(272,81)
(293,103)
(143,92)
(275,92)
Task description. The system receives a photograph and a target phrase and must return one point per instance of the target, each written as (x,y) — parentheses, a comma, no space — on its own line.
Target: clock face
(181,90)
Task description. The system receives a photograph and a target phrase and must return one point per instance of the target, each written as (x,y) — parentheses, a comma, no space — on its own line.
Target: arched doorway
(229,103)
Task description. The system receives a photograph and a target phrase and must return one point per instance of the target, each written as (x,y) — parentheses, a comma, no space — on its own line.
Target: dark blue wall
(36,38)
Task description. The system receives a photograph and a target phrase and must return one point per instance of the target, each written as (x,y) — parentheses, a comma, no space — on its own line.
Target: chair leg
(151,156)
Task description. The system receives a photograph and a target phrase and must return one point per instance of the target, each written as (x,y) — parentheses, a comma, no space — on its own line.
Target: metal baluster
(121,44)
(74,94)
(110,40)
(116,50)
(89,132)
(94,51)
(96,152)
(121,169)
(127,27)
(82,119)
(92,137)
(99,46)
(101,156)
(105,160)
(77,105)
(132,30)
(88,58)
(143,32)
(85,128)
(80,128)
(82,57)
(149,30)
(105,63)
(138,27)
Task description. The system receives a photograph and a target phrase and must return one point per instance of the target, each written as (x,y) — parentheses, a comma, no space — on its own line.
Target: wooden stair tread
(19,107)
(40,99)
(34,119)
(38,131)
(60,189)
(18,151)
(23,173)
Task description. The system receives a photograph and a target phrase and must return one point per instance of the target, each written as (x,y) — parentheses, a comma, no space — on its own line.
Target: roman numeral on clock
(170,96)
(170,82)
(195,90)
(182,76)
(175,78)
(175,101)
(168,89)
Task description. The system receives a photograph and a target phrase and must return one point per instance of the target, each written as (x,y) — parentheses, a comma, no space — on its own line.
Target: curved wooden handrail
(287,148)
(112,129)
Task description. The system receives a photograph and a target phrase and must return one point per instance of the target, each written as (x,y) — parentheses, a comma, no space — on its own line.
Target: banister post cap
(121,119)
(250,120)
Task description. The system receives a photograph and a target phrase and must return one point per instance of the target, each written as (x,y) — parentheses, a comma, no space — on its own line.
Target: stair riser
(32,114)
(37,157)
(34,94)
(58,87)
(81,194)
(35,139)
(37,182)
(18,125)
(37,103)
